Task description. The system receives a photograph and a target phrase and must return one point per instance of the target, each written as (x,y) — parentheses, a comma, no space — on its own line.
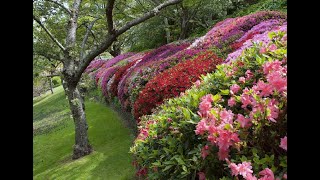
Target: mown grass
(54,137)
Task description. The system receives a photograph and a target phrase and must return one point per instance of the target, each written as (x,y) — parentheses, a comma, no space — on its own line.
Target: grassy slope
(52,143)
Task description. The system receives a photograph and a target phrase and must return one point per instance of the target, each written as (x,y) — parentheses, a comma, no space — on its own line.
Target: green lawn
(54,137)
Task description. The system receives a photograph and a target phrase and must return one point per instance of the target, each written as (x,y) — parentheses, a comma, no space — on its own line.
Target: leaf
(167,168)
(225,91)
(180,161)
(216,98)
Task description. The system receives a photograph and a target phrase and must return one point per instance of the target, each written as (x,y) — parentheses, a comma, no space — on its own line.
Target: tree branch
(49,33)
(112,37)
(109,10)
(146,16)
(85,39)
(62,6)
(48,56)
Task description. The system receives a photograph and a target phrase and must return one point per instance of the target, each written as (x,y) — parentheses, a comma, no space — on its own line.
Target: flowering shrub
(94,65)
(172,82)
(116,59)
(118,75)
(231,123)
(105,76)
(149,59)
(226,32)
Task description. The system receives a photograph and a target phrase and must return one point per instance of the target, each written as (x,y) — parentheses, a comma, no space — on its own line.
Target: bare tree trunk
(82,146)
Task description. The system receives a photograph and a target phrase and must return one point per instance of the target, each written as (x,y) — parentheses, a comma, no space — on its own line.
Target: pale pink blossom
(242,79)
(267,174)
(285,176)
(197,83)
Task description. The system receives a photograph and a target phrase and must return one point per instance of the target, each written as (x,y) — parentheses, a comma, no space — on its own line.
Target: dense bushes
(172,82)
(232,123)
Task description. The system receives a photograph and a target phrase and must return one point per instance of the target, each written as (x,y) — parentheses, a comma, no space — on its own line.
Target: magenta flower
(234,169)
(231,102)
(285,176)
(283,143)
(245,100)
(266,89)
(223,154)
(234,88)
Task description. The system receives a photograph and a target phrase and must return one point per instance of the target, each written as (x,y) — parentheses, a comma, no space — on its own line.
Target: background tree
(61,21)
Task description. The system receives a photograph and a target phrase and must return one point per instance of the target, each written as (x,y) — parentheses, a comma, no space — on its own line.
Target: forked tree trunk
(82,146)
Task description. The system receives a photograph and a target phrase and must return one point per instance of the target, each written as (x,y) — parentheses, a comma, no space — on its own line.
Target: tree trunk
(50,82)
(167,30)
(184,24)
(82,146)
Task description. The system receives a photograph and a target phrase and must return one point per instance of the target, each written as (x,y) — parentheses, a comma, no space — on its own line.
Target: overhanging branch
(49,33)
(62,6)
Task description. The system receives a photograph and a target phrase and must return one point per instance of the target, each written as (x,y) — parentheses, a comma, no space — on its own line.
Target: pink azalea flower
(245,100)
(231,102)
(266,89)
(202,176)
(273,47)
(285,176)
(263,50)
(274,110)
(250,177)
(277,81)
(227,116)
(197,83)
(234,169)
(244,122)
(207,97)
(242,80)
(245,168)
(204,108)
(205,151)
(223,154)
(283,143)
(201,127)
(249,74)
(267,174)
(271,66)
(234,88)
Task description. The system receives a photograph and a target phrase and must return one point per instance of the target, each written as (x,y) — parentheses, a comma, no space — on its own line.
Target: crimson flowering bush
(172,82)
(230,125)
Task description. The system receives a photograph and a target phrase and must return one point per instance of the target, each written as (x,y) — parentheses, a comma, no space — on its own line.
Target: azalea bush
(230,124)
(226,32)
(172,82)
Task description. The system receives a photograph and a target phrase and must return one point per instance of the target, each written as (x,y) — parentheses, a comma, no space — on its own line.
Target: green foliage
(56,81)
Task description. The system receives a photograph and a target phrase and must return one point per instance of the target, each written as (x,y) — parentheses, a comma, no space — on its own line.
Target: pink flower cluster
(245,170)
(215,121)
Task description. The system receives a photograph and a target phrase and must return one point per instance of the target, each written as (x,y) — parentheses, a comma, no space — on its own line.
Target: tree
(75,56)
